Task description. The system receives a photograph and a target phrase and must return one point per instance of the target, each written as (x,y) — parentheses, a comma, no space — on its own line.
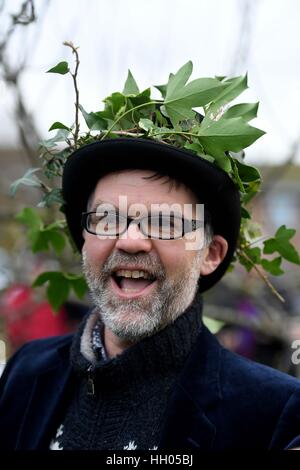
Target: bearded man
(157,226)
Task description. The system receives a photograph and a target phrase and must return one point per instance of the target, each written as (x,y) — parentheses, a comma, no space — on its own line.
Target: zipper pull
(90,381)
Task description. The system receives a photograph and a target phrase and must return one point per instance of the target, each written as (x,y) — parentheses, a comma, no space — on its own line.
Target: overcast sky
(153,38)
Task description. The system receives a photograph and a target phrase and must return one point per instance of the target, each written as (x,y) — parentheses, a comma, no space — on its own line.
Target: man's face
(133,308)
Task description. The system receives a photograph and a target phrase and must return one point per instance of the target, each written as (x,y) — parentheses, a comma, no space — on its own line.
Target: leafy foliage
(59,286)
(58,125)
(42,237)
(219,134)
(29,179)
(281,244)
(62,68)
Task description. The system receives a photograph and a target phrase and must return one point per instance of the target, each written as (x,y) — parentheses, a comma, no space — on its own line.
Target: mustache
(145,262)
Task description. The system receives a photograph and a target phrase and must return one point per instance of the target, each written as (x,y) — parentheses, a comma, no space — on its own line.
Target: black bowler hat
(212,185)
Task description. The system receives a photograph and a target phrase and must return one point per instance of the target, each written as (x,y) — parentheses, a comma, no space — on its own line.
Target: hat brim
(211,185)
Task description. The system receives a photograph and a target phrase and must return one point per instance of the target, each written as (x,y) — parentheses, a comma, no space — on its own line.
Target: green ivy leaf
(30,217)
(162,89)
(160,120)
(95,121)
(254,255)
(224,135)
(79,286)
(252,189)
(181,98)
(281,244)
(246,111)
(237,176)
(62,68)
(48,236)
(58,125)
(121,111)
(223,161)
(42,237)
(197,148)
(146,124)
(208,158)
(60,136)
(235,86)
(252,230)
(178,80)
(244,213)
(130,87)
(273,266)
(35,232)
(39,240)
(29,179)
(115,102)
(247,173)
(284,233)
(53,197)
(57,240)
(47,276)
(59,285)
(58,292)
(141,98)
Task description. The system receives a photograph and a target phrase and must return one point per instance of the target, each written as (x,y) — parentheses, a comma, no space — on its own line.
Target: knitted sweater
(119,403)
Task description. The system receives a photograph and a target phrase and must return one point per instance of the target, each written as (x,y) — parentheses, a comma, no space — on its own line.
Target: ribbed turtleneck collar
(165,351)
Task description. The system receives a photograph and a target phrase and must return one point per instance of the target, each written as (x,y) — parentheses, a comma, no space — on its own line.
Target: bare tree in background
(12,75)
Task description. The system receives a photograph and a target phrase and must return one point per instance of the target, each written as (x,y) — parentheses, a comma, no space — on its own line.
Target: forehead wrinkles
(151,187)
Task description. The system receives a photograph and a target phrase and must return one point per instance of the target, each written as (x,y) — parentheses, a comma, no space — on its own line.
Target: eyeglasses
(162,227)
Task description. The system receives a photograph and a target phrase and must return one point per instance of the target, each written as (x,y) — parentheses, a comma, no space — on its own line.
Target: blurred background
(221,37)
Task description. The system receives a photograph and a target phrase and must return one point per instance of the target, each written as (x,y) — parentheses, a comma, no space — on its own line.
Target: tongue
(136,285)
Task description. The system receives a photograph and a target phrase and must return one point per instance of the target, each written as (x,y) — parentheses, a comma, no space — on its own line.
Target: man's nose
(133,240)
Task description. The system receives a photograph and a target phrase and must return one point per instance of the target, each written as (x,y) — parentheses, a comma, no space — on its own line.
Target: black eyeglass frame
(187,225)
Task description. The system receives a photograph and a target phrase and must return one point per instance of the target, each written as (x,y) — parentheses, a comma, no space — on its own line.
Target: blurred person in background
(27,319)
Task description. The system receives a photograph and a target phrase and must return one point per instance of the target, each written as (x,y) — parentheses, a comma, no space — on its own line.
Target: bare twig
(261,274)
(125,114)
(128,134)
(74,76)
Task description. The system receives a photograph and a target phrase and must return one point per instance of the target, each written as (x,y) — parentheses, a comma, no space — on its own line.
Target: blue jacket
(220,401)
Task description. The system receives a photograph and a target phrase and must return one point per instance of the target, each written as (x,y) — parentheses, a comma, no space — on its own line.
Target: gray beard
(134,319)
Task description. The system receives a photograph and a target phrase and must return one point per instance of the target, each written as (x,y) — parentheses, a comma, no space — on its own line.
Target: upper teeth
(135,274)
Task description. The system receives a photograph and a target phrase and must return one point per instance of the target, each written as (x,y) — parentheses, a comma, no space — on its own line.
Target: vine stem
(129,134)
(125,114)
(74,77)
(189,134)
(261,275)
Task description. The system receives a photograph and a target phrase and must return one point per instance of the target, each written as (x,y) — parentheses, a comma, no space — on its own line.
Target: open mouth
(132,283)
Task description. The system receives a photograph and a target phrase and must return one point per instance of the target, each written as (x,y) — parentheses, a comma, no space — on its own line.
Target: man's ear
(214,255)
